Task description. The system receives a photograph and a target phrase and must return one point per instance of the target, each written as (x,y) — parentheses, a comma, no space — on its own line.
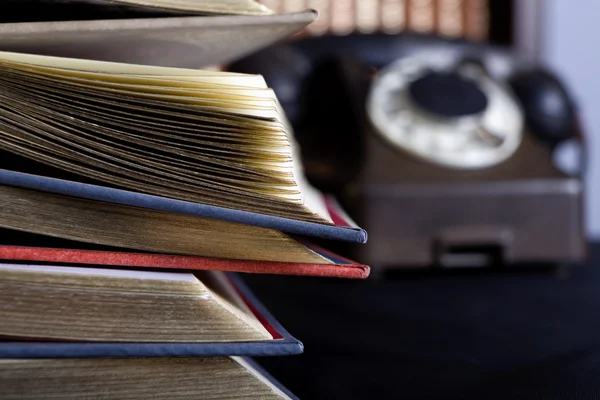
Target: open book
(210,144)
(168,33)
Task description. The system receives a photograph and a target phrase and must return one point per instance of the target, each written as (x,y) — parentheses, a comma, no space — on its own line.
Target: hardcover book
(18,246)
(54,312)
(157,39)
(137,378)
(209,144)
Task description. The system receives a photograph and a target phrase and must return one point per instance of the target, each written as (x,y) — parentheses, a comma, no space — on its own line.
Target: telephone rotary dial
(446,112)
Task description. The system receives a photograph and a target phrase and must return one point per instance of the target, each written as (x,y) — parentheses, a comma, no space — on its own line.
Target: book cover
(171,42)
(341,267)
(344,229)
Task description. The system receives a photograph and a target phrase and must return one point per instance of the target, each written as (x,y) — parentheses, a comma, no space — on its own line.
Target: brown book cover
(172,42)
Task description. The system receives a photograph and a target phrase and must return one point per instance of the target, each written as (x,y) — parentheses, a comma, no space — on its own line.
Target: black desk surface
(533,334)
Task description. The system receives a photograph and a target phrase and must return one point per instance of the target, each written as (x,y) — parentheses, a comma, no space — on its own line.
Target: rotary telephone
(411,128)
(451,103)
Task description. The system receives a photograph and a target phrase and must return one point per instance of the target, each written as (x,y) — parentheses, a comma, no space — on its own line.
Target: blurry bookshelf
(450,18)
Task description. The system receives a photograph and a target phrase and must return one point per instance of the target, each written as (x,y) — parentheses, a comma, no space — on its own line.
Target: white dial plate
(465,143)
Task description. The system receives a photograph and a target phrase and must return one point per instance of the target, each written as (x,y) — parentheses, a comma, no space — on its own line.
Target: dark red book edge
(343,268)
(252,305)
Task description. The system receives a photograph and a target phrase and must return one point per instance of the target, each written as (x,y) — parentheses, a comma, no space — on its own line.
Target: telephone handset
(454,104)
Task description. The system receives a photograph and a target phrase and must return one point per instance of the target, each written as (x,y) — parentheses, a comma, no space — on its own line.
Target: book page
(213,141)
(101,272)
(117,306)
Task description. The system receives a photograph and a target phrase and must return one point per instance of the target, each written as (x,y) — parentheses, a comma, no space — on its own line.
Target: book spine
(476,19)
(420,16)
(368,17)
(343,18)
(393,15)
(450,17)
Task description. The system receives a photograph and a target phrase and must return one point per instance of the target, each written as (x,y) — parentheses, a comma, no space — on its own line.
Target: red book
(342,267)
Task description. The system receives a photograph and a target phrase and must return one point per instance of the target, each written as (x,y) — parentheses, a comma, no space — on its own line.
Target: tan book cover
(189,42)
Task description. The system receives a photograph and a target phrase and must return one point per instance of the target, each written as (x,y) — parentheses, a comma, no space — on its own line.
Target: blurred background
(462,134)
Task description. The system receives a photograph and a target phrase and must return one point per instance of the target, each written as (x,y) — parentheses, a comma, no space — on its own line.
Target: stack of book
(129,194)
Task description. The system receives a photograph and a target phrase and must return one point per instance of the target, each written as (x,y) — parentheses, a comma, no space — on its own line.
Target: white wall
(571,45)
